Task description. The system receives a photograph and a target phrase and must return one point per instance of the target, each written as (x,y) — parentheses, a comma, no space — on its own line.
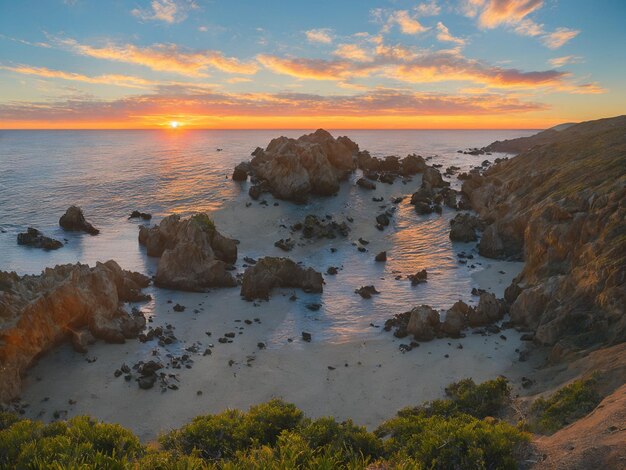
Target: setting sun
(174,124)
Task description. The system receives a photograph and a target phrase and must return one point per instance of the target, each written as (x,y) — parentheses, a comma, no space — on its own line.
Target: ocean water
(111,173)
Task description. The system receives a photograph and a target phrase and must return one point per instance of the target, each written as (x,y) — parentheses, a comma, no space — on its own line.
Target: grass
(567,405)
(205,222)
(454,433)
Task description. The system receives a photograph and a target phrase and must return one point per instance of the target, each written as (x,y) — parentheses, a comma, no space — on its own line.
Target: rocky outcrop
(387,169)
(293,169)
(488,311)
(561,207)
(37,312)
(457,319)
(314,227)
(463,228)
(269,272)
(73,220)
(194,255)
(36,239)
(423,323)
(433,191)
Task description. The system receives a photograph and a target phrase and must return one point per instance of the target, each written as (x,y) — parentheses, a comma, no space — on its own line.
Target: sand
(370,379)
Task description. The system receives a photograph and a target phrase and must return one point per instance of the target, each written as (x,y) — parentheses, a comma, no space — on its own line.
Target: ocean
(111,173)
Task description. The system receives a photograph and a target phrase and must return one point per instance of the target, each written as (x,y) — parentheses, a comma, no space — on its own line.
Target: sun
(174,124)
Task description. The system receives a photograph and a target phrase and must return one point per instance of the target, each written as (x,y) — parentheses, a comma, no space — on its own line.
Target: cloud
(407,23)
(198,102)
(568,59)
(321,36)
(352,52)
(168,11)
(513,13)
(559,37)
(443,34)
(497,12)
(411,66)
(428,8)
(163,57)
(239,80)
(107,79)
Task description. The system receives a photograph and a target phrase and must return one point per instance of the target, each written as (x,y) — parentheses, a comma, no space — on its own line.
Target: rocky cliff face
(194,255)
(561,207)
(37,312)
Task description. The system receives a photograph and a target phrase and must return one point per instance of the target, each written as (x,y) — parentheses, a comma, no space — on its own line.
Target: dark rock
(418,278)
(74,220)
(366,184)
(306,336)
(269,272)
(36,239)
(381,257)
(140,215)
(367,291)
(178,308)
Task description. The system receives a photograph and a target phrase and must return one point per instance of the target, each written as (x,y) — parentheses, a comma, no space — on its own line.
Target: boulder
(365,183)
(36,239)
(240,173)
(140,215)
(412,164)
(489,310)
(367,291)
(463,228)
(423,323)
(74,220)
(39,311)
(418,278)
(381,257)
(432,178)
(456,319)
(194,255)
(270,272)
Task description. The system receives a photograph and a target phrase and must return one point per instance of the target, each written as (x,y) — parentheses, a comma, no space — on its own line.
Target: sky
(340,64)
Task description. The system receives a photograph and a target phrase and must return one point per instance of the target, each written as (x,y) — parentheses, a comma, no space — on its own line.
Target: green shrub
(480,401)
(455,442)
(345,438)
(567,405)
(221,436)
(7,419)
(204,221)
(78,442)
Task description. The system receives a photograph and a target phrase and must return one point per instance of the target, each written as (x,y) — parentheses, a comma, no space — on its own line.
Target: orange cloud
(197,106)
(445,36)
(409,66)
(108,79)
(321,36)
(352,52)
(408,24)
(559,37)
(164,57)
(497,12)
(568,59)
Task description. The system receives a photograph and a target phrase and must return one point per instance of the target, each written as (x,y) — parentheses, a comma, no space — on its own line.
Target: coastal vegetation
(457,432)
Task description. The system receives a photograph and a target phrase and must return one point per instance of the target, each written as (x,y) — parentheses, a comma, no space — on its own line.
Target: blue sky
(386,63)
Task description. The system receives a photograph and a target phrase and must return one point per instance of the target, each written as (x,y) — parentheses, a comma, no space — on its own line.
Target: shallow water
(111,173)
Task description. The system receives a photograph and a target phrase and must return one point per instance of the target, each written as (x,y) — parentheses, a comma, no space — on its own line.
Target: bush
(454,442)
(565,406)
(347,439)
(480,401)
(221,436)
(78,442)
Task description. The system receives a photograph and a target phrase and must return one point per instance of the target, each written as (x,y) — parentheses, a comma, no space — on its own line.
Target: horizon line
(182,129)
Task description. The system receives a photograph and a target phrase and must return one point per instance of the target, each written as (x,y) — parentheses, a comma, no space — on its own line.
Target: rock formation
(294,168)
(463,228)
(561,207)
(37,312)
(74,220)
(269,272)
(36,239)
(194,255)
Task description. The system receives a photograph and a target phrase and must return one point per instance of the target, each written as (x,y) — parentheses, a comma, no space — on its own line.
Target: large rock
(463,228)
(37,312)
(432,178)
(312,164)
(194,255)
(36,239)
(456,319)
(74,220)
(423,323)
(489,310)
(269,272)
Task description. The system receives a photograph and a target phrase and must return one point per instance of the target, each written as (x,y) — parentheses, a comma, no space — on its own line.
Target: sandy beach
(351,369)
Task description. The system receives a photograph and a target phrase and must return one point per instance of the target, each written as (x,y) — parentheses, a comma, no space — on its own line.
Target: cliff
(561,207)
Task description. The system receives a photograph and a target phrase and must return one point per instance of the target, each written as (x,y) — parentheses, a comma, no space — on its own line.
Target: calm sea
(111,173)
